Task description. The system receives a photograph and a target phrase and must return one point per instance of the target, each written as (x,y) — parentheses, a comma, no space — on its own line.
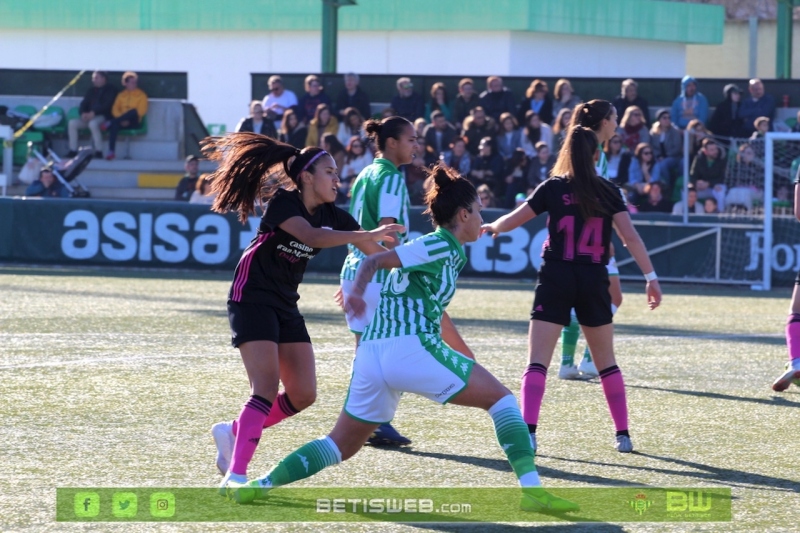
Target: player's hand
(355,306)
(490,230)
(653,291)
(387,232)
(338,297)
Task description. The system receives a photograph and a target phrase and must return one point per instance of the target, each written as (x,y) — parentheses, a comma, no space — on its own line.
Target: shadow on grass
(502,465)
(723,476)
(650,331)
(559,528)
(776,400)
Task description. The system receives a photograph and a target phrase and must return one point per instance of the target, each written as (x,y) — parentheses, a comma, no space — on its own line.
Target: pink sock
(284,410)
(793,336)
(532,392)
(614,389)
(249,427)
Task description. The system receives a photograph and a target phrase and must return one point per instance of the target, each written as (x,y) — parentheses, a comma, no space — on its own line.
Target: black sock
(623,432)
(531,428)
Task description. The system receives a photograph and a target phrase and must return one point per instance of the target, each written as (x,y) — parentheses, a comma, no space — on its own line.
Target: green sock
(587,355)
(512,434)
(569,341)
(305,462)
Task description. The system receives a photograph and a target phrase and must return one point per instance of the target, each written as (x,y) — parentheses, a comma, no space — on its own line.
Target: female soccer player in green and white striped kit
(411,345)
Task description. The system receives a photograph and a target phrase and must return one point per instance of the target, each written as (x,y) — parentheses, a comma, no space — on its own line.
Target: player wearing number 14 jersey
(582,208)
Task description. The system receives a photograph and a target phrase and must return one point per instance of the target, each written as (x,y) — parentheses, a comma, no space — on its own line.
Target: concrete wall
(731,59)
(219,64)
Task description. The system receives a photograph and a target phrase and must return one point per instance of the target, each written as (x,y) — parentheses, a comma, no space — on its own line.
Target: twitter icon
(124,504)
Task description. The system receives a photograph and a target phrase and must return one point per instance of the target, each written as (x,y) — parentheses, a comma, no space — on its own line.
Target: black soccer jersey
(571,238)
(273,264)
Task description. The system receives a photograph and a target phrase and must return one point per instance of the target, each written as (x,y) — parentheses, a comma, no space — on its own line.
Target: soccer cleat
(538,500)
(231,478)
(386,435)
(248,492)
(623,444)
(587,369)
(224,439)
(569,372)
(791,375)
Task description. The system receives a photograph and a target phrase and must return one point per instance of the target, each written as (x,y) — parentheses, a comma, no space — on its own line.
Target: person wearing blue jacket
(47,186)
(690,104)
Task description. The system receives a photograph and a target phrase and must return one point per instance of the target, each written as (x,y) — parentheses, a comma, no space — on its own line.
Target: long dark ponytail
(591,114)
(252,167)
(447,192)
(576,162)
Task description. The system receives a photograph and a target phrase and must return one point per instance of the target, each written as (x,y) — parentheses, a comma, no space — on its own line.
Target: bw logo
(694,502)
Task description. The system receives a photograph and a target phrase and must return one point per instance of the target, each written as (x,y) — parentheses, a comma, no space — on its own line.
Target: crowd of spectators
(507,145)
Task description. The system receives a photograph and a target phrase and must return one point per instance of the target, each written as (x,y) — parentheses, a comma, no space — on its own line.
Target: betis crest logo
(640,503)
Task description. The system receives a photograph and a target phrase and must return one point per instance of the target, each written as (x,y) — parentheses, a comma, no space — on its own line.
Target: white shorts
(384,368)
(613,269)
(372,297)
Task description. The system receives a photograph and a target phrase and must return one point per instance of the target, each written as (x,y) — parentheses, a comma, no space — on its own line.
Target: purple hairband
(313,159)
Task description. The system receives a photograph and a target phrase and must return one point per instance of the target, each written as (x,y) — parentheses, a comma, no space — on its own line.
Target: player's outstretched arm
(453,338)
(509,221)
(354,304)
(329,238)
(630,237)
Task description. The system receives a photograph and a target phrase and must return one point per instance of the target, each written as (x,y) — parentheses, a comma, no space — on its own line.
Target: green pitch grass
(113,378)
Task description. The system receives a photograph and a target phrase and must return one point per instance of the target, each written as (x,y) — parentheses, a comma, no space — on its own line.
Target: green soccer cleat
(538,500)
(247,492)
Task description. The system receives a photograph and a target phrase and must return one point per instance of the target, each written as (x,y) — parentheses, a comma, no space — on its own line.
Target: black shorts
(564,285)
(260,322)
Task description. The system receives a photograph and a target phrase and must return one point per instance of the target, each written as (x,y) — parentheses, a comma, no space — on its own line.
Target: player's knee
(304,398)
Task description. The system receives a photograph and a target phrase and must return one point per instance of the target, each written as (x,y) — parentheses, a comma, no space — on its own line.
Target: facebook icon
(86,504)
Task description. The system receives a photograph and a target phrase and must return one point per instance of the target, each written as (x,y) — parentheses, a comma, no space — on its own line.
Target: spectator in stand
(707,173)
(640,172)
(746,178)
(439,102)
(727,118)
(540,166)
(655,201)
(486,196)
(47,186)
(796,126)
(762,125)
(515,177)
(415,175)
(203,194)
(352,126)
(439,133)
(188,183)
(293,131)
(564,96)
(630,96)
(330,143)
(425,153)
(465,102)
(613,149)
(419,126)
(356,159)
(388,112)
(509,138)
(667,143)
(560,128)
(537,99)
(697,132)
(710,207)
(353,96)
(256,122)
(130,107)
(497,99)
(692,205)
(457,157)
(758,104)
(278,101)
(477,126)
(487,167)
(535,131)
(322,123)
(689,105)
(407,103)
(315,95)
(632,128)
(95,109)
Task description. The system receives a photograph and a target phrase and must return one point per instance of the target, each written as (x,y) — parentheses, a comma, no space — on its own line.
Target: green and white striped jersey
(379,192)
(602,164)
(415,296)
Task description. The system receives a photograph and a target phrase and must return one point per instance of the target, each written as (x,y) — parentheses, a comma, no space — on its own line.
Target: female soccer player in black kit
(299,188)
(582,209)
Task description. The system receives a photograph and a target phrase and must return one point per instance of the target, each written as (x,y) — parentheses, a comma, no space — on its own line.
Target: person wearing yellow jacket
(129,109)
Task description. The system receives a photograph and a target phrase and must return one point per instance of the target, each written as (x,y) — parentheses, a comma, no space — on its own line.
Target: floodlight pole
(330,30)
